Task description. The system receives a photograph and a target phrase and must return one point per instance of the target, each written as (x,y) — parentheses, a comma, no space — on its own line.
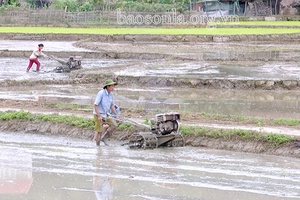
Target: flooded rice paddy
(252,103)
(37,167)
(247,103)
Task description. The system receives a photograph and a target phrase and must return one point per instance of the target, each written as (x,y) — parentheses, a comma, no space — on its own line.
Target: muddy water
(47,167)
(15,68)
(35,167)
(251,61)
(257,103)
(29,45)
(268,104)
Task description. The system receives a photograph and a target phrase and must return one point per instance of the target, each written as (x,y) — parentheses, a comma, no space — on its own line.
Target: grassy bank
(234,134)
(259,122)
(228,134)
(270,23)
(187,115)
(151,31)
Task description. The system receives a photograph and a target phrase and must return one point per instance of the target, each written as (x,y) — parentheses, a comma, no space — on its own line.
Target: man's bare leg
(103,134)
(97,137)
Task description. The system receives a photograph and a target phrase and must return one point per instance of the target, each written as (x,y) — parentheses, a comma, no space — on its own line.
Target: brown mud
(150,38)
(174,48)
(291,149)
(130,81)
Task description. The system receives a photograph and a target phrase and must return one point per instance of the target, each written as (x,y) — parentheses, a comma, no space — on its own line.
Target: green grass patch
(125,127)
(152,31)
(54,118)
(231,134)
(72,106)
(227,134)
(22,115)
(269,23)
(246,120)
(287,122)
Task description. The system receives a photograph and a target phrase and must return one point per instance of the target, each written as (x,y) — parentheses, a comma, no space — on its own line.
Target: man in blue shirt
(103,103)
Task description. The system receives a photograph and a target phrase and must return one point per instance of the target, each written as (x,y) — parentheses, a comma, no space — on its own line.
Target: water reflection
(103,185)
(66,168)
(15,172)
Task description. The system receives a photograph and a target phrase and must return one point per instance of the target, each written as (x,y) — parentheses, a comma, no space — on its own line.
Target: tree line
(90,5)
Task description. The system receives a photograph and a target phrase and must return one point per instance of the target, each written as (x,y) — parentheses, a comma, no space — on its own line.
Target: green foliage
(269,23)
(192,130)
(203,114)
(73,5)
(140,31)
(289,122)
(228,134)
(260,123)
(134,6)
(278,139)
(125,127)
(68,119)
(147,122)
(32,3)
(70,106)
(15,115)
(10,5)
(86,6)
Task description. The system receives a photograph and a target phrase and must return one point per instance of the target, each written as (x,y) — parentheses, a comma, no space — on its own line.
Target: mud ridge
(93,55)
(149,38)
(290,149)
(78,78)
(210,83)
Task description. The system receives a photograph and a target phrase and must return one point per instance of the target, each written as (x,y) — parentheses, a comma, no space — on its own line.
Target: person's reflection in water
(103,185)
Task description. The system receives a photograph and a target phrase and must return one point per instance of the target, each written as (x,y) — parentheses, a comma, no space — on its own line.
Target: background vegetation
(89,5)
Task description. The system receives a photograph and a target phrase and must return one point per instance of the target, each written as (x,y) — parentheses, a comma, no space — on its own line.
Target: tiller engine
(163,133)
(73,63)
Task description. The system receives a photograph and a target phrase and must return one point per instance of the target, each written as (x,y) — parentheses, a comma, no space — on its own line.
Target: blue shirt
(103,100)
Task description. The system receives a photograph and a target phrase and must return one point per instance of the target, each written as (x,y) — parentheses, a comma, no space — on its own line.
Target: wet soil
(291,149)
(166,49)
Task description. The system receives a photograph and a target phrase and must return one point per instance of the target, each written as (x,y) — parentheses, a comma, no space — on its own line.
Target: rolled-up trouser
(99,125)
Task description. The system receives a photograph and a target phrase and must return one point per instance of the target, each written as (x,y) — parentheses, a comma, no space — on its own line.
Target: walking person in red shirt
(34,58)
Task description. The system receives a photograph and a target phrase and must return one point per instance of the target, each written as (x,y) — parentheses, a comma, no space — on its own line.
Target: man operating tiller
(103,102)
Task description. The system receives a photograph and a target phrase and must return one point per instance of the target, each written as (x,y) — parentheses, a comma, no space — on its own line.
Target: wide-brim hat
(109,82)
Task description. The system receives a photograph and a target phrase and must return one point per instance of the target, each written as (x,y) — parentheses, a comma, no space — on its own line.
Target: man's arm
(97,112)
(112,107)
(96,103)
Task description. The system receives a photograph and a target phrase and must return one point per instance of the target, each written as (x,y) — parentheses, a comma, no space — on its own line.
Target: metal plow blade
(143,140)
(147,140)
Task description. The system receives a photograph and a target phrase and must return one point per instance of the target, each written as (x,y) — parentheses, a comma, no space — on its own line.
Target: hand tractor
(73,63)
(163,132)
